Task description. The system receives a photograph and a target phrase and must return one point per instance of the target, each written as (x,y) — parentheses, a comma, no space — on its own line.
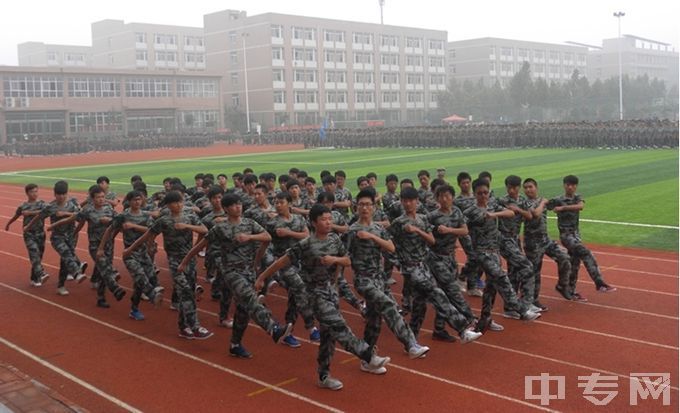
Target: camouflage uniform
(262,217)
(324,296)
(63,238)
(342,195)
(442,262)
(103,273)
(290,276)
(486,243)
(411,252)
(537,243)
(177,244)
(426,198)
(567,223)
(215,267)
(34,239)
(368,280)
(520,270)
(472,271)
(237,260)
(139,264)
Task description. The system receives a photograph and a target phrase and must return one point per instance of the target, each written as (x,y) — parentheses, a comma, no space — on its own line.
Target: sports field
(621,187)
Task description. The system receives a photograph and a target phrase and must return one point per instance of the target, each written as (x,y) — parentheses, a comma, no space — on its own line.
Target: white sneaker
(462,285)
(80,277)
(144,297)
(530,316)
(494,326)
(229,323)
(69,277)
(469,336)
(36,283)
(44,277)
(535,309)
(475,292)
(330,383)
(201,253)
(365,367)
(62,291)
(417,351)
(377,361)
(512,315)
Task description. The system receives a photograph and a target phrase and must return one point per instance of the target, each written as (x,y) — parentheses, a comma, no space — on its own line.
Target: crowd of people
(311,237)
(59,146)
(648,133)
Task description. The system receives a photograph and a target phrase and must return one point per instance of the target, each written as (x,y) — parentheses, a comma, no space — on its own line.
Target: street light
(618,15)
(245,78)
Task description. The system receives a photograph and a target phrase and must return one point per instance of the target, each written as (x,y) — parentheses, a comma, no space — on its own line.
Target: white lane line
(70,376)
(56,178)
(609,307)
(630,224)
(638,257)
(617,286)
(178,352)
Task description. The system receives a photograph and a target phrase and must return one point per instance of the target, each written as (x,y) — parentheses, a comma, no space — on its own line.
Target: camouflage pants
(333,328)
(496,281)
(298,301)
(183,285)
(445,271)
(68,261)
(472,271)
(140,267)
(103,269)
(241,282)
(577,253)
(425,290)
(346,292)
(35,245)
(520,270)
(535,249)
(381,305)
(223,290)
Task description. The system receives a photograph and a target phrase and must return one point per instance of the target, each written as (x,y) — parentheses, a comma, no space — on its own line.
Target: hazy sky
(68,22)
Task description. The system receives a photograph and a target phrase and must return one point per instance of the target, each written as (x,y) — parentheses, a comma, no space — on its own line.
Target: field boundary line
(69,376)
(630,224)
(176,351)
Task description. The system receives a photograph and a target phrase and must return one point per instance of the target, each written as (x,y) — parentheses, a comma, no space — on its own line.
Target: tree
(521,87)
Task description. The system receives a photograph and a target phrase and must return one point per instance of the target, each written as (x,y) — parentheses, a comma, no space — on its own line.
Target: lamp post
(245,78)
(618,15)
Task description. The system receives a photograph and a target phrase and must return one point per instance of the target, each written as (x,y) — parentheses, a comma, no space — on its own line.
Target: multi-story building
(120,45)
(498,60)
(639,57)
(70,102)
(300,70)
(38,54)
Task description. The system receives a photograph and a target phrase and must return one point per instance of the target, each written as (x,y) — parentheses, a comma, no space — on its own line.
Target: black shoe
(280,331)
(102,303)
(443,335)
(119,293)
(564,292)
(240,352)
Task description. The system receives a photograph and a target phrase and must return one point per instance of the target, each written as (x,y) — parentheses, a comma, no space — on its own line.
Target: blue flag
(322,130)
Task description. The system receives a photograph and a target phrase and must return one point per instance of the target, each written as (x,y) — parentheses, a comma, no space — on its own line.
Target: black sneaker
(240,352)
(443,335)
(279,331)
(564,292)
(119,293)
(102,303)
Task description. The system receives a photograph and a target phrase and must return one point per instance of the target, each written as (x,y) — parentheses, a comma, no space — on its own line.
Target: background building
(492,59)
(40,54)
(639,57)
(301,70)
(71,102)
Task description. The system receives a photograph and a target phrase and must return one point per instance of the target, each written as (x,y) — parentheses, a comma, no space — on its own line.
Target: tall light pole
(245,78)
(618,15)
(382,4)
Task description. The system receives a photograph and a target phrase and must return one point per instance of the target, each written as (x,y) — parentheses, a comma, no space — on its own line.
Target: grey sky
(585,21)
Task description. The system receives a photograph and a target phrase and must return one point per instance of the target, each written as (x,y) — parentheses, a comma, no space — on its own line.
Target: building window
(234,78)
(363,77)
(278,75)
(304,75)
(165,39)
(366,58)
(492,66)
(412,60)
(335,56)
(390,97)
(364,97)
(436,61)
(414,42)
(33,86)
(191,88)
(142,55)
(362,38)
(390,78)
(277,53)
(414,79)
(435,44)
(307,55)
(437,79)
(147,87)
(277,31)
(233,58)
(389,59)
(414,97)
(336,97)
(304,33)
(452,53)
(334,36)
(506,51)
(279,96)
(539,54)
(235,100)
(194,58)
(389,40)
(140,37)
(333,76)
(554,55)
(166,56)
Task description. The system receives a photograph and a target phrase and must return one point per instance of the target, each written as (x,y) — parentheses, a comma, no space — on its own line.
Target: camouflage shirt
(426,198)
(51,211)
(536,227)
(308,252)
(483,232)
(464,202)
(389,199)
(567,221)
(296,223)
(130,235)
(93,216)
(366,255)
(445,244)
(39,227)
(247,201)
(411,247)
(260,215)
(209,222)
(342,195)
(176,242)
(509,227)
(233,253)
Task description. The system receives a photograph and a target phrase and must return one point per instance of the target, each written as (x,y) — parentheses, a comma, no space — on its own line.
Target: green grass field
(633,186)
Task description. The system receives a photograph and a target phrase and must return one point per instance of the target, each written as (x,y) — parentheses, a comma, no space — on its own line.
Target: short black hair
(530,180)
(133,194)
(283,179)
(284,195)
(409,193)
(30,187)
(263,187)
(323,173)
(463,176)
(167,179)
(367,193)
(173,196)
(371,175)
(60,187)
(310,180)
(361,179)
(328,179)
(135,178)
(444,188)
(214,191)
(479,182)
(340,172)
(302,174)
(103,179)
(406,181)
(199,176)
(316,211)
(249,179)
(423,172)
(270,176)
(237,176)
(140,187)
(436,182)
(179,188)
(293,171)
(570,179)
(248,171)
(325,197)
(94,190)
(222,175)
(229,200)
(485,174)
(291,183)
(513,180)
(391,178)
